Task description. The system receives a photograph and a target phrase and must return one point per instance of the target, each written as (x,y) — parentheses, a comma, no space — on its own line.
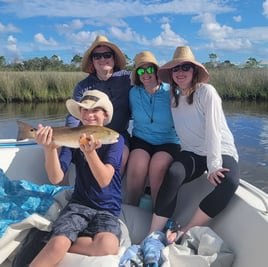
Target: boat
(243,224)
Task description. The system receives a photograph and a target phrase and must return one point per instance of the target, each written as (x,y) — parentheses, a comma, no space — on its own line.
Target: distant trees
(252,63)
(2,61)
(213,59)
(77,59)
(56,64)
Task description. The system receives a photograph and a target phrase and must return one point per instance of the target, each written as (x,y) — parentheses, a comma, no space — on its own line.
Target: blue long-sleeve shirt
(152,117)
(117,88)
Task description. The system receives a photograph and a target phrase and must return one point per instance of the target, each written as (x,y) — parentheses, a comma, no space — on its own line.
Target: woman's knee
(176,173)
(232,176)
(231,183)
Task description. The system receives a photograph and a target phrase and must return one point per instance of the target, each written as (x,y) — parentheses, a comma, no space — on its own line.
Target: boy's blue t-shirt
(151,114)
(86,190)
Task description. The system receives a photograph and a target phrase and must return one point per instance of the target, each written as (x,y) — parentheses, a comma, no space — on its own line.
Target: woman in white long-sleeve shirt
(207,143)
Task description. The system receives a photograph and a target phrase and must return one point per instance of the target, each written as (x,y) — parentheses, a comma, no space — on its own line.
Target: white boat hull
(243,225)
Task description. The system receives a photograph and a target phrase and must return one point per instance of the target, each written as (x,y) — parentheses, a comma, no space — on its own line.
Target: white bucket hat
(91,99)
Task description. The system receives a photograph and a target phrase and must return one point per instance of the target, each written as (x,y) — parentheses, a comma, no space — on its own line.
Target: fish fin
(83,140)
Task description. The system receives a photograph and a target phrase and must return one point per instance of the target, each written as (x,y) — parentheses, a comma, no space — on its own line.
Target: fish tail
(25,131)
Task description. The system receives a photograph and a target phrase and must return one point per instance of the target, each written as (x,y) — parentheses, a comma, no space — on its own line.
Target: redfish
(69,136)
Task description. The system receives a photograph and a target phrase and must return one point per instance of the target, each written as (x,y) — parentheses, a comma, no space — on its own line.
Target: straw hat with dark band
(120,59)
(182,55)
(91,99)
(140,59)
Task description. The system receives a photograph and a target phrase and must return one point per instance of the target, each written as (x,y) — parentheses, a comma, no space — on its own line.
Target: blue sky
(233,30)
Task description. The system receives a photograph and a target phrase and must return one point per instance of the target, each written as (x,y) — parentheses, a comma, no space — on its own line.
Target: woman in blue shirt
(154,141)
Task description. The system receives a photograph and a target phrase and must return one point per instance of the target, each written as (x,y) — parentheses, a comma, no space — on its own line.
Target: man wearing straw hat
(105,63)
(206,141)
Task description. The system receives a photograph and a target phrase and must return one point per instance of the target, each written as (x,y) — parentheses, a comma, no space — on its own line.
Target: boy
(89,223)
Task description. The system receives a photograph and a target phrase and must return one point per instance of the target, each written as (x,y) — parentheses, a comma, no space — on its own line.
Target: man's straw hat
(120,59)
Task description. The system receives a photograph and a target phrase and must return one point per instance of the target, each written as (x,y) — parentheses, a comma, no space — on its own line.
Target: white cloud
(265,8)
(11,48)
(83,37)
(80,21)
(168,38)
(67,28)
(11,39)
(164,20)
(114,8)
(147,19)
(76,24)
(40,39)
(212,29)
(8,28)
(237,18)
(227,38)
(126,35)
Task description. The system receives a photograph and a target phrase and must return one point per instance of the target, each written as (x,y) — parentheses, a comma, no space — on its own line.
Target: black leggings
(188,167)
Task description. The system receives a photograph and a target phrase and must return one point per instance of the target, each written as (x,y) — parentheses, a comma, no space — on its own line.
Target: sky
(234,30)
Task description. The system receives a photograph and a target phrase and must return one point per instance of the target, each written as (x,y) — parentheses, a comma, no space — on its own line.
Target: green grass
(231,83)
(38,86)
(241,84)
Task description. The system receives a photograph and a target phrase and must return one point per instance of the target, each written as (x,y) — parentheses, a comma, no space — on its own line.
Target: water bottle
(146,200)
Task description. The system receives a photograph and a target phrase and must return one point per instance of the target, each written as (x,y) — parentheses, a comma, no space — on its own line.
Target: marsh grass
(241,84)
(231,83)
(38,86)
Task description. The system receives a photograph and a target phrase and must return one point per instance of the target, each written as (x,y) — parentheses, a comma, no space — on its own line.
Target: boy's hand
(44,136)
(88,144)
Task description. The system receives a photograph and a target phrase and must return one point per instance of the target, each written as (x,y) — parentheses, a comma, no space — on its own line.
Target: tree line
(54,63)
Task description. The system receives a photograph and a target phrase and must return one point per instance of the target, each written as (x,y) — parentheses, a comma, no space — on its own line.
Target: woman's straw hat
(182,55)
(91,99)
(120,59)
(140,59)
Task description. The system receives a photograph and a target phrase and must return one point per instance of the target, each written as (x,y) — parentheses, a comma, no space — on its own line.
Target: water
(247,121)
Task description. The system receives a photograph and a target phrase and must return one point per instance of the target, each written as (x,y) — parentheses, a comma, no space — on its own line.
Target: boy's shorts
(77,220)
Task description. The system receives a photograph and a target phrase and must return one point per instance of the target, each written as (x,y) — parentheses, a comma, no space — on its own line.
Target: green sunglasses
(149,70)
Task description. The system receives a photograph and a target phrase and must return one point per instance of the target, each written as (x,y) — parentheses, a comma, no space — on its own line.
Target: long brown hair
(175,91)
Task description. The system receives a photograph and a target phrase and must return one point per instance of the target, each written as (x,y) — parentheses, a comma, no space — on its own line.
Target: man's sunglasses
(149,70)
(97,56)
(183,67)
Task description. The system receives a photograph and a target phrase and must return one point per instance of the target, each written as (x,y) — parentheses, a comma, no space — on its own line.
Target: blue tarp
(20,198)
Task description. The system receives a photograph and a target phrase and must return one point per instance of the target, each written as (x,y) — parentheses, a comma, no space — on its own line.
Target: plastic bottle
(146,200)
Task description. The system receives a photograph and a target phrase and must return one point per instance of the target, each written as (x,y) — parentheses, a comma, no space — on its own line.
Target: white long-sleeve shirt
(202,127)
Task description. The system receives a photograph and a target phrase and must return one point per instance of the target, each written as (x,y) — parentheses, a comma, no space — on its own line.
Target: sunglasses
(149,70)
(97,56)
(183,67)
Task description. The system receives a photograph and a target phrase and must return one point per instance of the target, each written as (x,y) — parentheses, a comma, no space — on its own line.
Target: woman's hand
(215,177)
